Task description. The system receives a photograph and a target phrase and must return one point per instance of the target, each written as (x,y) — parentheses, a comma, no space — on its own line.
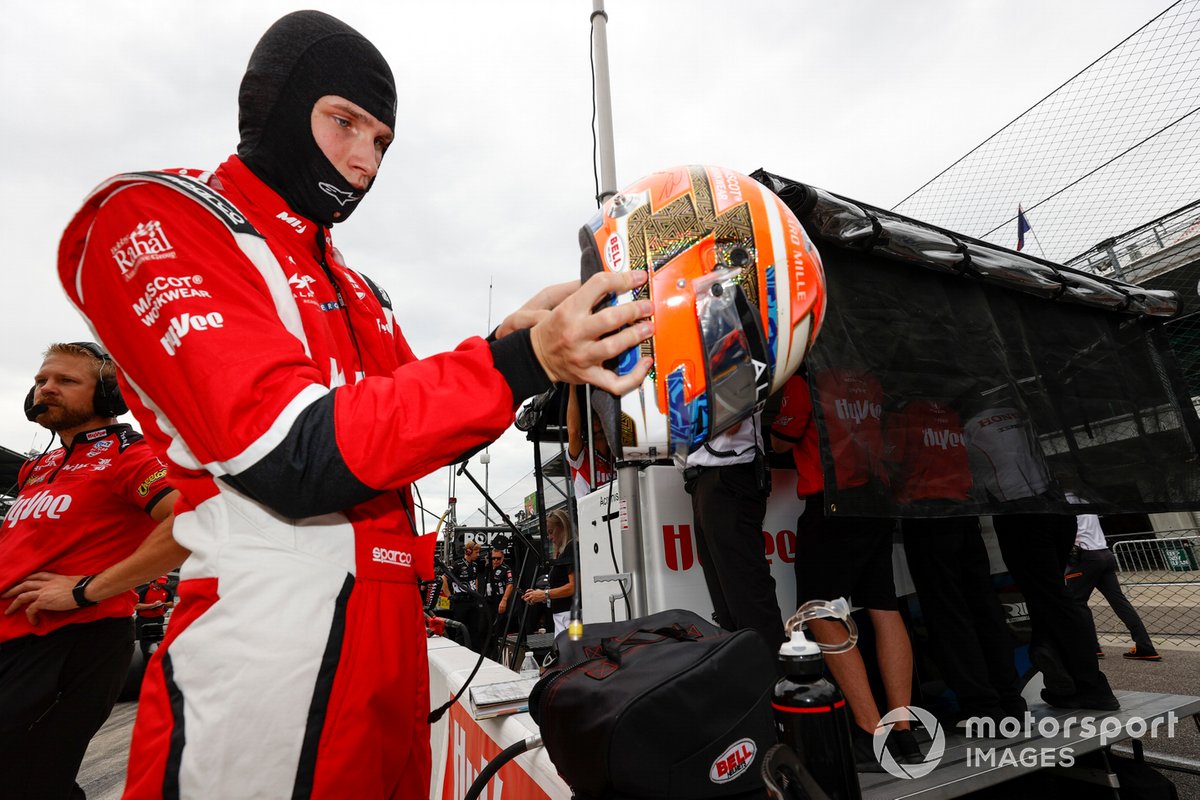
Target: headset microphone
(34,410)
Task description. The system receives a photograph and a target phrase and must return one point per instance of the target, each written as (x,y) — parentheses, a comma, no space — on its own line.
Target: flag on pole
(1023,227)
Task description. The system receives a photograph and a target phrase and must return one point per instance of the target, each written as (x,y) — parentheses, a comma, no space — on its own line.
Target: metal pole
(604,126)
(627,474)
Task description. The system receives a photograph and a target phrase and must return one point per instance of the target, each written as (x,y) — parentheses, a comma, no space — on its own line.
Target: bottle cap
(799,646)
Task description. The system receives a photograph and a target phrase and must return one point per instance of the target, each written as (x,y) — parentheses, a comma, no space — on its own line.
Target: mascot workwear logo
(937,746)
(163,291)
(736,760)
(382,555)
(42,504)
(342,197)
(147,241)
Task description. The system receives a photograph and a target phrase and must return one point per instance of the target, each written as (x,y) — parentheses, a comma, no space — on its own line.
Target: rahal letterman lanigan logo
(148,241)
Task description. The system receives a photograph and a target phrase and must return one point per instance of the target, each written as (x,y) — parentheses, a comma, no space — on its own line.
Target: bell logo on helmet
(736,760)
(614,254)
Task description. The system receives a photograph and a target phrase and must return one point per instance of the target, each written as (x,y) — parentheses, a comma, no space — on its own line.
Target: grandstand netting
(1114,147)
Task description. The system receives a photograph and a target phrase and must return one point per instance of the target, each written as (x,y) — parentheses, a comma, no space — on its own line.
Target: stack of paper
(497,699)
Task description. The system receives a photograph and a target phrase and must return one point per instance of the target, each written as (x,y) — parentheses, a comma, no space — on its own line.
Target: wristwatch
(77,592)
(547,596)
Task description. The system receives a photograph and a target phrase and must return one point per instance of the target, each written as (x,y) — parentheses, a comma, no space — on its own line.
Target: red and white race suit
(292,415)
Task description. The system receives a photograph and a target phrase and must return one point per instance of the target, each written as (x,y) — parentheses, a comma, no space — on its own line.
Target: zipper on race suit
(322,241)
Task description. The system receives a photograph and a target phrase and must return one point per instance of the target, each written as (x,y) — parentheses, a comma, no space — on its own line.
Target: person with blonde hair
(562,571)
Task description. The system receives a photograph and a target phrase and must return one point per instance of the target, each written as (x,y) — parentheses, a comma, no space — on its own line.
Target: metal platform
(961,772)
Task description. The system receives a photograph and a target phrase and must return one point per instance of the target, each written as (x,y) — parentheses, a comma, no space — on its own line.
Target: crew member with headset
(80,509)
(729,480)
(462,587)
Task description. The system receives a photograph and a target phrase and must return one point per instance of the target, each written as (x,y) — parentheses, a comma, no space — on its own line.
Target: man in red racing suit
(274,382)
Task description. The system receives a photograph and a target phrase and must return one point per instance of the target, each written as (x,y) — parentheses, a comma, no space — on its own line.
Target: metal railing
(1160,574)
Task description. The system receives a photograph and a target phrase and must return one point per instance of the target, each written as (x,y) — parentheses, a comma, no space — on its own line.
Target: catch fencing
(1160,574)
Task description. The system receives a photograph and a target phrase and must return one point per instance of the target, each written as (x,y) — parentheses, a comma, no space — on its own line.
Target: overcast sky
(491,173)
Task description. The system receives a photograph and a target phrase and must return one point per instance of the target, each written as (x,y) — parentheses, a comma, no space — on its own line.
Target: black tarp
(1058,388)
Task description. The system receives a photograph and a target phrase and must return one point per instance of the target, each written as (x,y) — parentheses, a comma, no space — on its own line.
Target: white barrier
(463,745)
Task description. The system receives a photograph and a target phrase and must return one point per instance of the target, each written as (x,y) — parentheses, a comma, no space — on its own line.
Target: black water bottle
(811,717)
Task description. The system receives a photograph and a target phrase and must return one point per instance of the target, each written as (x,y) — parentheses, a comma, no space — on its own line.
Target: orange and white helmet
(738,293)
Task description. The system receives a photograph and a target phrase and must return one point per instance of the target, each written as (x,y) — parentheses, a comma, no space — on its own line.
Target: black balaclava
(301,58)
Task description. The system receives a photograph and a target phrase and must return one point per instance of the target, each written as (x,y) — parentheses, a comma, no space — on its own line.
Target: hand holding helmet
(574,340)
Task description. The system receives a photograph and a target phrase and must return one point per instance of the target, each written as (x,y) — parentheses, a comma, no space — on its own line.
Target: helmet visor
(733,375)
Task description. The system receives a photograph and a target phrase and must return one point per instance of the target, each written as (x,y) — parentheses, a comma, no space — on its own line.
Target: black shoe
(1014,707)
(1055,677)
(1095,702)
(864,751)
(903,747)
(1142,654)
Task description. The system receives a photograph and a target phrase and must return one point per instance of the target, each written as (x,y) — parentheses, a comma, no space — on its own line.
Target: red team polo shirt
(852,403)
(81,509)
(926,440)
(154,593)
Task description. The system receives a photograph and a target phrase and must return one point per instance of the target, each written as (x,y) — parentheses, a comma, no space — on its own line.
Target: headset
(106,401)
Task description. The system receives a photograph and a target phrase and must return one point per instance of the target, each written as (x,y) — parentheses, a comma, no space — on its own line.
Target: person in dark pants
(80,508)
(728,482)
(466,602)
(82,667)
(1035,549)
(497,585)
(840,555)
(1093,566)
(968,637)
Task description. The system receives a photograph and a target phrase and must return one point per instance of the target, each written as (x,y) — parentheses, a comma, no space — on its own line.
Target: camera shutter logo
(933,757)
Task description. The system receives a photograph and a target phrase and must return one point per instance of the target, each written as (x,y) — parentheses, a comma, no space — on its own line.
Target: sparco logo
(148,241)
(42,504)
(184,324)
(382,555)
(733,762)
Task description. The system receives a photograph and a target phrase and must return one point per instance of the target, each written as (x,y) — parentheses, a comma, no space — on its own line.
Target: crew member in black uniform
(462,585)
(498,590)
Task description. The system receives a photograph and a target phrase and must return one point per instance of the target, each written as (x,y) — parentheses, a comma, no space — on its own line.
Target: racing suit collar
(96,434)
(236,175)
